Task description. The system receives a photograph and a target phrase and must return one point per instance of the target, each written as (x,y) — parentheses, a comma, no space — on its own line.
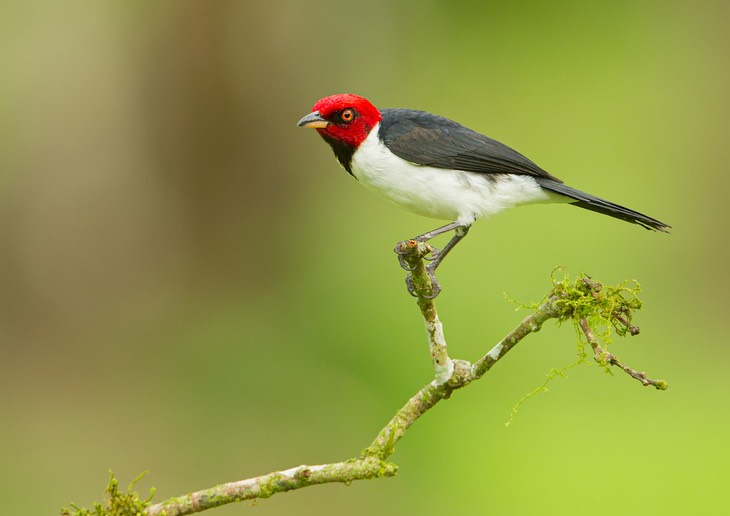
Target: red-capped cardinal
(435,167)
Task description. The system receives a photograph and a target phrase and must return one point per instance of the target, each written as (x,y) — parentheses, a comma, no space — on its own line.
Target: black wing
(432,140)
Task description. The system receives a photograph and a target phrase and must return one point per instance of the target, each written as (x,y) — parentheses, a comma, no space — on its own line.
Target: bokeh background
(190,285)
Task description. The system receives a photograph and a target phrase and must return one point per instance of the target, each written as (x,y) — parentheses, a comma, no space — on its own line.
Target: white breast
(436,192)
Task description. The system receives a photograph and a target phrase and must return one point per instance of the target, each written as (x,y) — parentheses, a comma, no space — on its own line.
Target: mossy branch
(605,358)
(594,308)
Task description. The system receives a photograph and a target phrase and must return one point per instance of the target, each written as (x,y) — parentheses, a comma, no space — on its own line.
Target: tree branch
(450,375)
(584,301)
(372,462)
(268,485)
(412,253)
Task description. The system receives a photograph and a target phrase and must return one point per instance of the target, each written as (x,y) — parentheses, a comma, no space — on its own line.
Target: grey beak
(313,120)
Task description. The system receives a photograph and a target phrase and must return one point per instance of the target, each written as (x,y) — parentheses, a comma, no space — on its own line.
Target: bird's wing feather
(593,203)
(426,139)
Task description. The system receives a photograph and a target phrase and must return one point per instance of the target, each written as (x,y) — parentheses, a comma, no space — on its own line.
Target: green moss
(118,504)
(607,309)
(554,373)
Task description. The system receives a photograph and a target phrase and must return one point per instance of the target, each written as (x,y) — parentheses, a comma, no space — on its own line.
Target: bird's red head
(344,118)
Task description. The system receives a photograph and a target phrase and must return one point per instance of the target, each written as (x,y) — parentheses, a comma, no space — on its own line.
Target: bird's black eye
(348,115)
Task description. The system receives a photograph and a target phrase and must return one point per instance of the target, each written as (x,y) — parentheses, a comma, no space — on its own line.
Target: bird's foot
(435,285)
(401,249)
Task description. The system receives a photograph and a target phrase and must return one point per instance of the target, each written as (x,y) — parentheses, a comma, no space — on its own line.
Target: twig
(531,323)
(603,357)
(633,330)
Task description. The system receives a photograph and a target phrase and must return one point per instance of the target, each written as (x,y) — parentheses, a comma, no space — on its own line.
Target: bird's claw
(400,250)
(410,286)
(435,285)
(434,254)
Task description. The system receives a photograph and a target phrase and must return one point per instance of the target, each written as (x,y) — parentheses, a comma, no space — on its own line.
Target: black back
(433,140)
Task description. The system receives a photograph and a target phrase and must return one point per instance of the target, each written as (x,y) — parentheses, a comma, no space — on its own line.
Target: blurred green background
(190,285)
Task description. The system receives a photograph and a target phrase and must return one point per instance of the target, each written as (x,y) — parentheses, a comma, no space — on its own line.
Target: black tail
(592,203)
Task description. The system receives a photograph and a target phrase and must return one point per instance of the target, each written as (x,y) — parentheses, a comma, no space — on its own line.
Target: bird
(435,167)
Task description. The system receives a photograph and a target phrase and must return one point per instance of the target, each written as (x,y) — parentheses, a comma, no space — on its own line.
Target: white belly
(436,192)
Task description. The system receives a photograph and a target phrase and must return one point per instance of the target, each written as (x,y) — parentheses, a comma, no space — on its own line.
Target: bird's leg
(440,231)
(460,231)
(428,236)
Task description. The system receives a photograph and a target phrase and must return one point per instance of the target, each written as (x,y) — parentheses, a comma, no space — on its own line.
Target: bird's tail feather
(589,202)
